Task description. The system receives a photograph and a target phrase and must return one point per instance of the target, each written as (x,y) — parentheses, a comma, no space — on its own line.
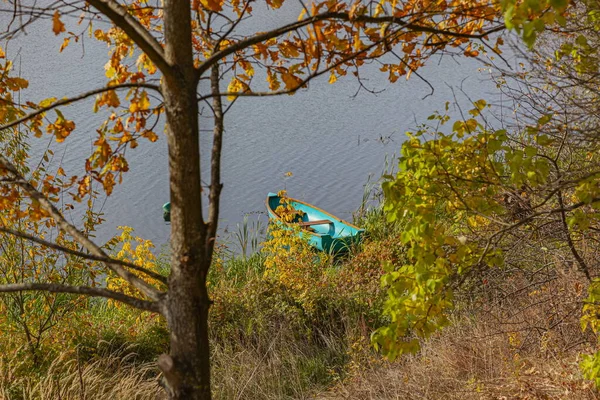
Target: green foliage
(448,193)
(466,196)
(590,366)
(530,17)
(452,174)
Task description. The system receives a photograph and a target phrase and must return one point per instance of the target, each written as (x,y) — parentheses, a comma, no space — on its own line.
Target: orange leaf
(57,25)
(272,80)
(292,82)
(275,3)
(64,44)
(108,183)
(212,5)
(17,83)
(151,136)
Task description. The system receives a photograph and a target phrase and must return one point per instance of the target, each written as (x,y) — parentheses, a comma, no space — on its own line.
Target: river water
(329,139)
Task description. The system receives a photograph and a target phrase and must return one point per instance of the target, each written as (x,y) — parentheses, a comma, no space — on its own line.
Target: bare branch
(563,217)
(83,290)
(77,98)
(215,164)
(86,256)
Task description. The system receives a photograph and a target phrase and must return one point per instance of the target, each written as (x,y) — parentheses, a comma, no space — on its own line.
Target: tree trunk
(187,367)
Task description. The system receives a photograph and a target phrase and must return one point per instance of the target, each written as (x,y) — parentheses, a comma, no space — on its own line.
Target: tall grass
(248,236)
(109,376)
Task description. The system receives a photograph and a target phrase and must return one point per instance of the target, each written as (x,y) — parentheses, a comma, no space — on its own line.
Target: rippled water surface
(329,138)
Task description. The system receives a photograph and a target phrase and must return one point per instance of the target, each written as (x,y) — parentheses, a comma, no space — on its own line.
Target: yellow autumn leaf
(212,5)
(275,3)
(47,102)
(57,25)
(2,54)
(112,99)
(144,102)
(274,83)
(288,49)
(292,82)
(248,68)
(224,44)
(64,44)
(235,86)
(17,83)
(354,10)
(332,78)
(151,136)
(302,14)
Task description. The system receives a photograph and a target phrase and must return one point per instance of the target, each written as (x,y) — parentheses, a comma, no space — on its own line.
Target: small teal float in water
(167,212)
(325,231)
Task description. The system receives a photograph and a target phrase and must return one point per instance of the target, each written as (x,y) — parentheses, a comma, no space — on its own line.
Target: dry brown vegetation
(525,344)
(515,335)
(109,376)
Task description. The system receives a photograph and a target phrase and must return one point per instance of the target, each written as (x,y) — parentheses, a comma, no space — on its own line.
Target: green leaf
(544,140)
(60,114)
(559,4)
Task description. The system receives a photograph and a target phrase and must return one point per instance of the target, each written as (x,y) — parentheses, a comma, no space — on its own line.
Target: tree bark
(187,367)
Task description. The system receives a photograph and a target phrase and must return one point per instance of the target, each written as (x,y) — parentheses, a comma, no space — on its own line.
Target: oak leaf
(274,83)
(57,24)
(235,86)
(292,82)
(275,3)
(212,5)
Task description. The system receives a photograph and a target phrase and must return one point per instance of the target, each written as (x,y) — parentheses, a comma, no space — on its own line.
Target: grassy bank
(283,325)
(293,324)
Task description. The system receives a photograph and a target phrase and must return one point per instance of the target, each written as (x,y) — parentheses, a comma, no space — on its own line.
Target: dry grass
(465,363)
(111,376)
(277,367)
(522,342)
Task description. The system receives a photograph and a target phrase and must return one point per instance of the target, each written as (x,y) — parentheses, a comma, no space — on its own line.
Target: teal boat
(325,231)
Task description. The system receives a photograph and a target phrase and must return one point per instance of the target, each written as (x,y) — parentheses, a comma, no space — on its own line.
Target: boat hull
(327,232)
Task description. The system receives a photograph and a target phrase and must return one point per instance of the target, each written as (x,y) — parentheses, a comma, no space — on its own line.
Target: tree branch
(77,98)
(83,290)
(302,82)
(261,37)
(132,27)
(215,163)
(563,217)
(92,247)
(86,256)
